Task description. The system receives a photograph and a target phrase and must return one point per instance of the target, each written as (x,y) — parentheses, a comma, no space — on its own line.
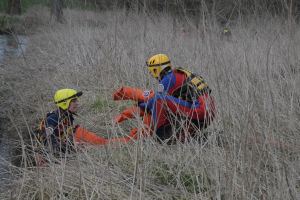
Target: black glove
(144,106)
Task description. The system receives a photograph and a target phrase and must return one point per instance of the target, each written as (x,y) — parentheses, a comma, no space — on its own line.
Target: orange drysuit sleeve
(128,114)
(134,94)
(88,137)
(92,139)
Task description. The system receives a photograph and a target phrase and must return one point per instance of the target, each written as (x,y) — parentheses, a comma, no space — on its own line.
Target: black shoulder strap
(52,112)
(192,87)
(40,134)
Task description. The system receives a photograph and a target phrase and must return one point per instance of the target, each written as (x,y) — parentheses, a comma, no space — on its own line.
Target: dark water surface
(11,45)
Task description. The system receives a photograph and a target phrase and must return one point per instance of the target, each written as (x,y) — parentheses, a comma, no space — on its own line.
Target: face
(155,71)
(73,105)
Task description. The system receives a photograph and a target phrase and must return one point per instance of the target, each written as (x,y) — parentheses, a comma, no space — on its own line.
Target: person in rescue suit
(56,130)
(180,93)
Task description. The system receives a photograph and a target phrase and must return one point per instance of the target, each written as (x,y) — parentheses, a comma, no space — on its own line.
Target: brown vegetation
(255,83)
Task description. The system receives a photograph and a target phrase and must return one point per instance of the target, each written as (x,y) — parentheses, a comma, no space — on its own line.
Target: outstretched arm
(132,94)
(128,114)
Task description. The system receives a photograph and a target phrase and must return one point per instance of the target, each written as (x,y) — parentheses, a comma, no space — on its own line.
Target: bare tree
(56,11)
(127,5)
(14,7)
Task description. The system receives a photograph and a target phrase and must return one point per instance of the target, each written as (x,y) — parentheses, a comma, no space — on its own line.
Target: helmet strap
(66,114)
(164,72)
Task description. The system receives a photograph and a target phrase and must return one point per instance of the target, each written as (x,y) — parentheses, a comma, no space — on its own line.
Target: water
(11,45)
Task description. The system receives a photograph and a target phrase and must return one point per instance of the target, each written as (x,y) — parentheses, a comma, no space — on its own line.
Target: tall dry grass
(255,86)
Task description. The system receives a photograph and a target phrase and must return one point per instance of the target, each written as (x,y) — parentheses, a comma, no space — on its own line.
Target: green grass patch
(126,104)
(83,6)
(4,92)
(11,19)
(192,182)
(26,4)
(101,105)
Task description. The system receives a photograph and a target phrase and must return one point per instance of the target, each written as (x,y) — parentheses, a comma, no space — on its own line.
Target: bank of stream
(10,46)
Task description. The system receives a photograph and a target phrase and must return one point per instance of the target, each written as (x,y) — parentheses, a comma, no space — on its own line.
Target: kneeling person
(180,93)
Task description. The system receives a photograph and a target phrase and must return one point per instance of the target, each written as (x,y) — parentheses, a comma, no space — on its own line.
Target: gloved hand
(77,146)
(144,106)
(81,146)
(75,128)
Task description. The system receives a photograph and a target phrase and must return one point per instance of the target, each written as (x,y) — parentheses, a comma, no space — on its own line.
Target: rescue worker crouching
(56,130)
(225,35)
(180,92)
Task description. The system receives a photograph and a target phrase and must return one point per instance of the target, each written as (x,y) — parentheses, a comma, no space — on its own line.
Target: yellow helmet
(225,31)
(63,97)
(158,63)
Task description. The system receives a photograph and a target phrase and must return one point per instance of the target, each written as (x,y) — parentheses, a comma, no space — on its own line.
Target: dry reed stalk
(254,89)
